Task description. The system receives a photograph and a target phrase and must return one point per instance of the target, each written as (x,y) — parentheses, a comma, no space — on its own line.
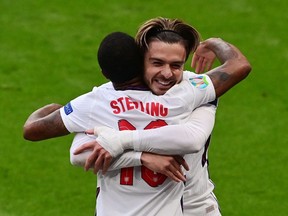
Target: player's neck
(135,83)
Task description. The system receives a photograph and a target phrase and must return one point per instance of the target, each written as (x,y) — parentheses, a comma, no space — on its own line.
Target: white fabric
(178,139)
(114,142)
(79,139)
(198,193)
(192,136)
(198,198)
(127,159)
(180,99)
(148,192)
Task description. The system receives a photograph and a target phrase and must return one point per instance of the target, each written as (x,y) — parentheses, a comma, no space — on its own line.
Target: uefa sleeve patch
(199,82)
(68,109)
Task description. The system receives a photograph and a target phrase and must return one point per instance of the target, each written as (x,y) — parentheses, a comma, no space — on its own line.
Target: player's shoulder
(190,75)
(200,81)
(102,89)
(106,86)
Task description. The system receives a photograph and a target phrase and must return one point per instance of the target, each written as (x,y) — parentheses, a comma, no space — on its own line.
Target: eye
(176,66)
(157,63)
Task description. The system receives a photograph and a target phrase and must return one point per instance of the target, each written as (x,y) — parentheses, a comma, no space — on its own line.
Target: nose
(167,72)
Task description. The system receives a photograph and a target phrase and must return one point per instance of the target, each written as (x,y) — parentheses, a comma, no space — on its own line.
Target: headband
(166,30)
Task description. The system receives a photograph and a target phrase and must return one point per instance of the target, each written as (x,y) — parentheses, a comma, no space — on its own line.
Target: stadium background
(48,54)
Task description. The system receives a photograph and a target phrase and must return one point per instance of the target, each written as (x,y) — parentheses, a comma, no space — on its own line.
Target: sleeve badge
(199,82)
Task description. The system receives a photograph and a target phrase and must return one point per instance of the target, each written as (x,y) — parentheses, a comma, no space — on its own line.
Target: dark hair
(120,58)
(168,31)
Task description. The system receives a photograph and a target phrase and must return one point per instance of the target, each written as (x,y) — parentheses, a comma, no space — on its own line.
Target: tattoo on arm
(55,125)
(219,79)
(46,127)
(219,76)
(225,51)
(234,68)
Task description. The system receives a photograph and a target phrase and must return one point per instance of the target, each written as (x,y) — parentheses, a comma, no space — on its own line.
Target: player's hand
(109,139)
(166,165)
(99,159)
(90,131)
(202,59)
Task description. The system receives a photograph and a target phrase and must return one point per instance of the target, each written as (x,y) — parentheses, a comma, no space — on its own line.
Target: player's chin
(159,91)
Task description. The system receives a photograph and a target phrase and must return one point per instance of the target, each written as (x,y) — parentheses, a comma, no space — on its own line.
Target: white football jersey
(198,198)
(137,190)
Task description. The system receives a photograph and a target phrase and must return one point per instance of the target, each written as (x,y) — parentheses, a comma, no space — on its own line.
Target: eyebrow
(173,62)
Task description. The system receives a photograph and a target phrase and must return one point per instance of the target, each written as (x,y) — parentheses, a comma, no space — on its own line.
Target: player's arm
(88,144)
(55,120)
(171,139)
(178,139)
(44,123)
(83,145)
(235,67)
(165,164)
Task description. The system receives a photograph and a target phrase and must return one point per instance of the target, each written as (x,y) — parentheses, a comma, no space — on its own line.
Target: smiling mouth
(165,83)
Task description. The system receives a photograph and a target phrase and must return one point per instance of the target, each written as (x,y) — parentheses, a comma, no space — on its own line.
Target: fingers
(200,67)
(100,159)
(98,164)
(84,147)
(194,60)
(90,160)
(166,165)
(182,162)
(185,165)
(201,64)
(209,65)
(102,162)
(90,131)
(106,164)
(175,173)
(96,130)
(172,176)
(176,176)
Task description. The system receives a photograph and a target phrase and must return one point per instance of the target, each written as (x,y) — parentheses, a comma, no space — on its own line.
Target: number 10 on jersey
(151,178)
